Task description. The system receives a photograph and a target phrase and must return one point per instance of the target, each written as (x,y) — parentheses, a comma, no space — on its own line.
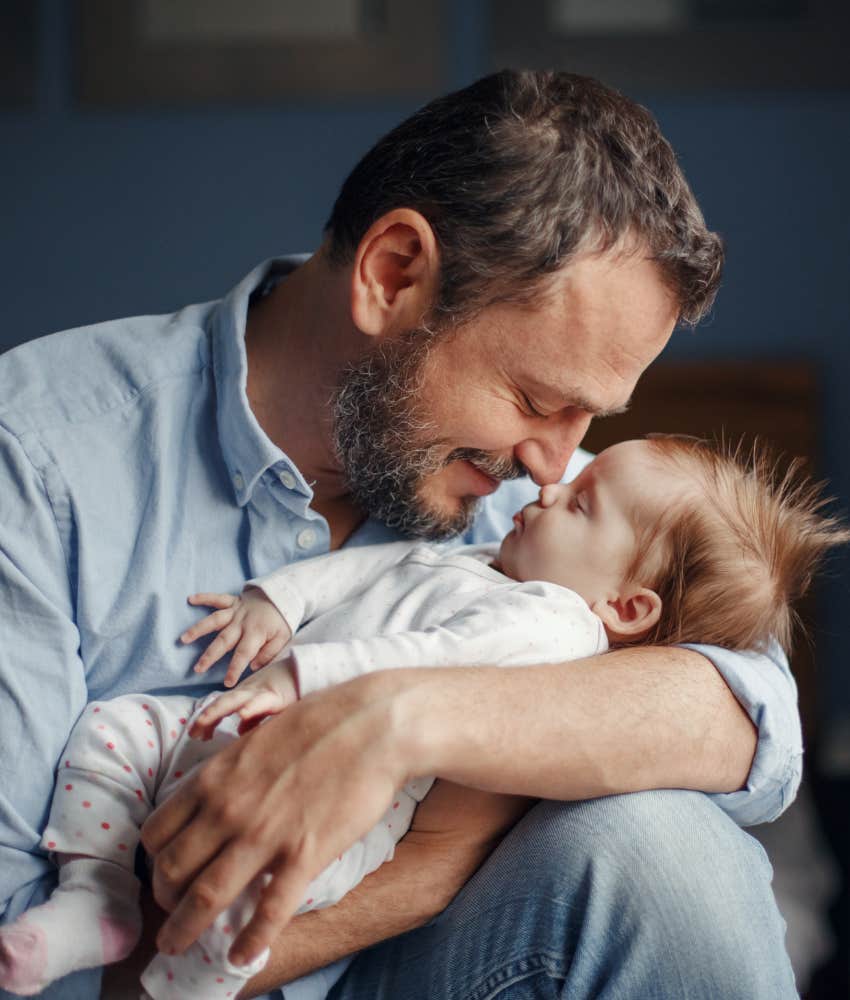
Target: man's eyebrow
(594,409)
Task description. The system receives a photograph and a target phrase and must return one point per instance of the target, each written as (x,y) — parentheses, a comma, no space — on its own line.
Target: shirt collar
(247,450)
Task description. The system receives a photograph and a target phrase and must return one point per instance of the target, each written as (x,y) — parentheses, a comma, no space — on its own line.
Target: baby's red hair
(731,560)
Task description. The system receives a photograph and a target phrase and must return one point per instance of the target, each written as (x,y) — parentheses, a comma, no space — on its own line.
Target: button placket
(305,538)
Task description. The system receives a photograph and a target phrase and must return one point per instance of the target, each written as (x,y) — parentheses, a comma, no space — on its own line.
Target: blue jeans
(651,895)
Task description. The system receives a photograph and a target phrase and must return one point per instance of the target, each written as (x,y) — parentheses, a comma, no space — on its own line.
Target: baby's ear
(629,615)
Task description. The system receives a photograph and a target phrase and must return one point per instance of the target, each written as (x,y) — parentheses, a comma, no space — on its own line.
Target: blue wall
(108,214)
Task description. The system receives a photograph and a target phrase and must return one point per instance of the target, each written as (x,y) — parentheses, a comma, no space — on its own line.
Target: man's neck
(298,338)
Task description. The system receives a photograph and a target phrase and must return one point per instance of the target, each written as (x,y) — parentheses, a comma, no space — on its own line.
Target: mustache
(495,466)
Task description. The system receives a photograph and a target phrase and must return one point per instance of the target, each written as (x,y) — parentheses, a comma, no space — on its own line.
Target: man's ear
(630,615)
(395,275)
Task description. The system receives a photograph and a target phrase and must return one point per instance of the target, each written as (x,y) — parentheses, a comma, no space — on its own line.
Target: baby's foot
(23,958)
(92,919)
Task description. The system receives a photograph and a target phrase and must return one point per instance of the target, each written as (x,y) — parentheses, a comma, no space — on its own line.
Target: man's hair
(730,560)
(519,172)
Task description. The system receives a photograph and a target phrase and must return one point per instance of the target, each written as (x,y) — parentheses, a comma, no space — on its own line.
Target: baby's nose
(550,493)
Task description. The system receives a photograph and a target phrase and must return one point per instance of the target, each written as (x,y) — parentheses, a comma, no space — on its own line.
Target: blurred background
(154,150)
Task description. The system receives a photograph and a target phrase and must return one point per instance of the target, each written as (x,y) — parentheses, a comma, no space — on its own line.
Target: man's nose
(547,452)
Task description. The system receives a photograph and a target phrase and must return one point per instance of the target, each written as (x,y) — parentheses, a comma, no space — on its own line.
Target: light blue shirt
(133,473)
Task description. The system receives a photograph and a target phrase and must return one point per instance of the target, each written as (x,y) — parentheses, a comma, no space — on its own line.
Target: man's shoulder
(75,375)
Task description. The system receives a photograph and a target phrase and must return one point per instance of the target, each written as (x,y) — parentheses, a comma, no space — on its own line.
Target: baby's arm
(518,624)
(261,621)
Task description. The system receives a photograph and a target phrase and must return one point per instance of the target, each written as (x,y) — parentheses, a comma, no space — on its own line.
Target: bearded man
(497,271)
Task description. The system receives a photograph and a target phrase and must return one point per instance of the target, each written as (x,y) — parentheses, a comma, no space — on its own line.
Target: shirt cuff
(765,687)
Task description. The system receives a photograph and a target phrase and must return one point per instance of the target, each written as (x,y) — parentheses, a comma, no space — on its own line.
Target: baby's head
(671,540)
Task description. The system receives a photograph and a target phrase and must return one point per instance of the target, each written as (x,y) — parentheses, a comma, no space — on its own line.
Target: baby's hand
(266,693)
(251,623)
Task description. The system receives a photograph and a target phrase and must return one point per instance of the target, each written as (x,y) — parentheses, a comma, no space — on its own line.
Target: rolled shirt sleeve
(765,687)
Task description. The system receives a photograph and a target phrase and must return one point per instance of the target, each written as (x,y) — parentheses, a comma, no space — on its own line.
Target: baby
(665,540)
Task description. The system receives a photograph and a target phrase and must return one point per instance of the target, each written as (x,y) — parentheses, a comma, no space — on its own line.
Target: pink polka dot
(68,788)
(96,711)
(146,708)
(207,959)
(150,772)
(150,743)
(101,727)
(139,795)
(178,774)
(148,722)
(67,763)
(110,746)
(104,826)
(395,805)
(227,929)
(218,979)
(127,768)
(170,976)
(87,805)
(182,722)
(309,901)
(174,734)
(51,844)
(122,847)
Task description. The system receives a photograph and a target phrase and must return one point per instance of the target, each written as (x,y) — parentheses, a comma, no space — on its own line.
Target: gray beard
(386,445)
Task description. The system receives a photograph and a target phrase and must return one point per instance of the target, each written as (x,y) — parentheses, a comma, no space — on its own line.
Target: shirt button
(238,481)
(306,538)
(287,479)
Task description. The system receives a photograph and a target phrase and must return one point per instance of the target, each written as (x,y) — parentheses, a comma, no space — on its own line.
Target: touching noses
(546,454)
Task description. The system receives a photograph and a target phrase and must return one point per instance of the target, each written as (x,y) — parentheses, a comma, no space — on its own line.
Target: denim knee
(656,895)
(661,881)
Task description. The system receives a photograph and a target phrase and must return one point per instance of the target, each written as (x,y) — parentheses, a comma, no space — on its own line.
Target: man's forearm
(453,832)
(633,719)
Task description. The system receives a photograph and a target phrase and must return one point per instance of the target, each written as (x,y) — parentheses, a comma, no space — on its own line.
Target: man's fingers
(279,901)
(214,888)
(160,828)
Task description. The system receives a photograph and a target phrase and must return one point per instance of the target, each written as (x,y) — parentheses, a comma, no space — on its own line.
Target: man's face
(426,425)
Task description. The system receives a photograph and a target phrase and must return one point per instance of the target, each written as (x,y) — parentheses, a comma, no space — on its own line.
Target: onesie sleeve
(764,686)
(512,625)
(303,590)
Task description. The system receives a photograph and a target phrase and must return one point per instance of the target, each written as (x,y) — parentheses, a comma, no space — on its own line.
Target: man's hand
(284,800)
(454,830)
(267,692)
(251,623)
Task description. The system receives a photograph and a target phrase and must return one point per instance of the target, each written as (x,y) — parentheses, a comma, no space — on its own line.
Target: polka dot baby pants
(125,757)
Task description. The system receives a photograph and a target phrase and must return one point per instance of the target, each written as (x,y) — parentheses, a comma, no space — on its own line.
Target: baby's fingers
(269,652)
(212,623)
(211,600)
(261,705)
(204,725)
(223,643)
(242,656)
